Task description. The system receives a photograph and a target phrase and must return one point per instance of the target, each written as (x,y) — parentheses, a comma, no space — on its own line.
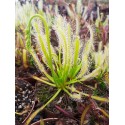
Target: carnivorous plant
(67,65)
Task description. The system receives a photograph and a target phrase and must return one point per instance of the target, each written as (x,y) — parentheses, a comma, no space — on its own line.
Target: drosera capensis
(68,65)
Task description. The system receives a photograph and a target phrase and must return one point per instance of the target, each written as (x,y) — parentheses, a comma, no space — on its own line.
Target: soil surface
(63,110)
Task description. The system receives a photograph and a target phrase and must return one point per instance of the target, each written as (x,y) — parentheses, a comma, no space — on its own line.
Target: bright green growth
(68,65)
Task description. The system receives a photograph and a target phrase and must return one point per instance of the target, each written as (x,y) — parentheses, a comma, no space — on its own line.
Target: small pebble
(23,104)
(18,100)
(29,92)
(27,85)
(20,119)
(26,97)
(20,89)
(20,106)
(24,92)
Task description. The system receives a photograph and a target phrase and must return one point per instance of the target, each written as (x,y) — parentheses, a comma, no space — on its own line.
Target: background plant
(101,59)
(23,14)
(100,56)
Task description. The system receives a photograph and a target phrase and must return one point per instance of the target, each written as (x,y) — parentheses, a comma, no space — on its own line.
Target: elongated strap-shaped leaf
(85,60)
(41,121)
(91,34)
(21,113)
(84,114)
(98,20)
(42,42)
(39,64)
(68,92)
(35,57)
(69,45)
(65,74)
(102,99)
(77,26)
(76,50)
(70,12)
(64,46)
(21,43)
(74,71)
(79,6)
(60,65)
(87,48)
(72,81)
(84,67)
(91,75)
(104,112)
(42,80)
(40,5)
(63,30)
(47,33)
(25,58)
(100,46)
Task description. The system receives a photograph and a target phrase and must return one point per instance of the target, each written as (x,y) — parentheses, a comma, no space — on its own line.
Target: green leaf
(76,50)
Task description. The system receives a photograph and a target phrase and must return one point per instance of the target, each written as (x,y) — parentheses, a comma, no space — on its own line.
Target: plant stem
(67,92)
(41,80)
(21,113)
(41,108)
(29,113)
(84,114)
(103,111)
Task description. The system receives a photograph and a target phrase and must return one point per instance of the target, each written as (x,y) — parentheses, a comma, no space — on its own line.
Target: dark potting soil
(24,98)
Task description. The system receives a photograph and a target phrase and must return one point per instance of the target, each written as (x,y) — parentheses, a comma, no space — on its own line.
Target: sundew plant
(101,59)
(26,11)
(23,13)
(69,64)
(22,16)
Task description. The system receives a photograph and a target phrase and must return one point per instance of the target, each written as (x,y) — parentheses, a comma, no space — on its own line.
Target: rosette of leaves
(69,64)
(101,56)
(101,59)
